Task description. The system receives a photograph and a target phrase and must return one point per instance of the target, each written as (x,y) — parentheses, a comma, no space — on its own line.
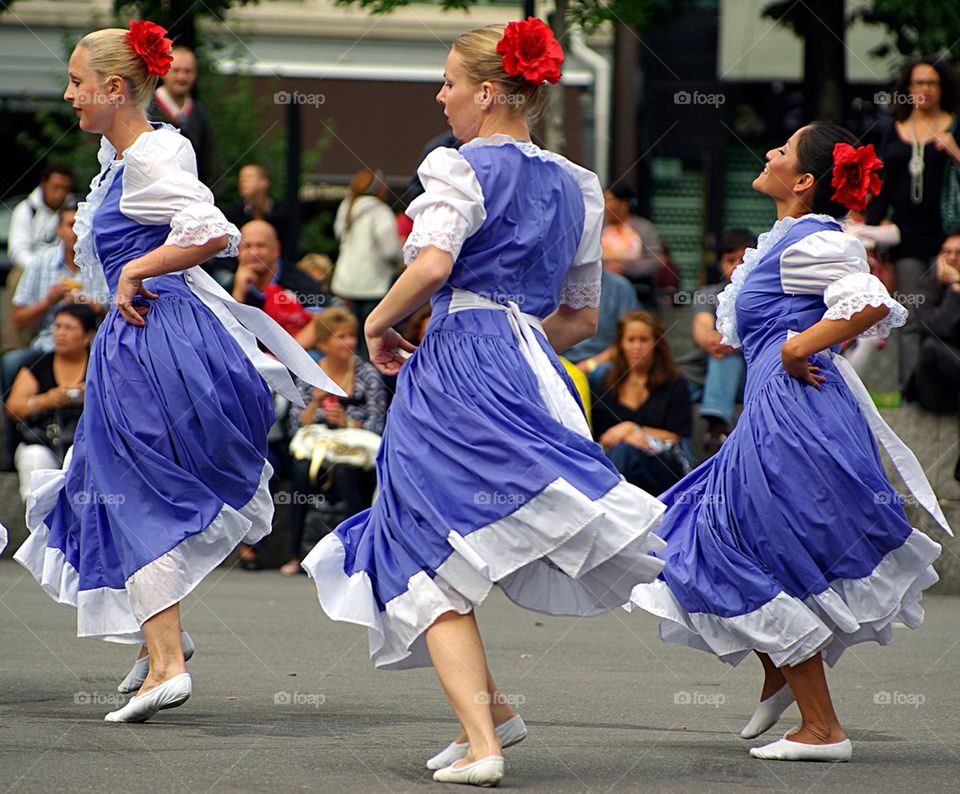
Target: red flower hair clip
(530,50)
(149,42)
(855,175)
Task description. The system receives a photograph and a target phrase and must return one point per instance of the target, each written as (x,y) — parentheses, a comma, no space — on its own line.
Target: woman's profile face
(94,102)
(69,338)
(637,343)
(925,86)
(459,98)
(781,170)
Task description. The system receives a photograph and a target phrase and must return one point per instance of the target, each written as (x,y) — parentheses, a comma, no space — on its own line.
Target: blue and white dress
(487,471)
(791,540)
(168,470)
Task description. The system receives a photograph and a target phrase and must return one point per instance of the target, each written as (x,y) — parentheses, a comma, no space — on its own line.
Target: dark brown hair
(663,369)
(949,86)
(815,156)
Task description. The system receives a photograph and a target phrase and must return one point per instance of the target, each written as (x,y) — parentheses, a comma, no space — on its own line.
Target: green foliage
(642,15)
(918,28)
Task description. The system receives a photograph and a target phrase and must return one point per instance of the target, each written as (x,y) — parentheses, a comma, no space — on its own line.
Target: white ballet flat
(171,693)
(784,750)
(138,674)
(768,713)
(485,772)
(511,732)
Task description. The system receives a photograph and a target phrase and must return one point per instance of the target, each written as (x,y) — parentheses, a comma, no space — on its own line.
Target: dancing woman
(791,542)
(487,471)
(168,471)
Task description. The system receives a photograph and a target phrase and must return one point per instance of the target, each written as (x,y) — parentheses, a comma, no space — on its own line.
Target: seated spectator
(715,370)
(264,282)
(47,398)
(617,297)
(631,245)
(369,247)
(641,405)
(34,221)
(935,381)
(256,204)
(365,407)
(52,278)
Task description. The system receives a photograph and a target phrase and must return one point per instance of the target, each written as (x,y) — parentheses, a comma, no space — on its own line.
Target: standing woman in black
(916,151)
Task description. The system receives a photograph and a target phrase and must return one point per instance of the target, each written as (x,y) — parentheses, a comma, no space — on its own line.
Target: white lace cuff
(199,223)
(854,293)
(581,286)
(439,225)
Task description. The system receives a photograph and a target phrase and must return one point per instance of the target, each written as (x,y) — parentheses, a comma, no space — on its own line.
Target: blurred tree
(917,28)
(821,24)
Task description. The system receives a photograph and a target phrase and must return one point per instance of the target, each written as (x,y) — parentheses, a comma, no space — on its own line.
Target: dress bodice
(533,226)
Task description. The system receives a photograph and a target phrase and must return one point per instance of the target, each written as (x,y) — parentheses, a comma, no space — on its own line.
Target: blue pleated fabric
(791,540)
(168,469)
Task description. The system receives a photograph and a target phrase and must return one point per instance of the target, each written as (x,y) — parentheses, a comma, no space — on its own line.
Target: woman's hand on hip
(128,288)
(382,349)
(799,366)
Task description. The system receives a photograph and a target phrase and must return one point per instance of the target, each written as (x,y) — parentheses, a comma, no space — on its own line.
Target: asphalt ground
(286,700)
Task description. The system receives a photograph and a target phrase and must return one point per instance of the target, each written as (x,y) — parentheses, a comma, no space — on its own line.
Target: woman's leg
(500,710)
(809,684)
(457,653)
(162,633)
(773,679)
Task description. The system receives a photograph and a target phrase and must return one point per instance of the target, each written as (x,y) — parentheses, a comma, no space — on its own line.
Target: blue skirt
(791,540)
(167,473)
(480,484)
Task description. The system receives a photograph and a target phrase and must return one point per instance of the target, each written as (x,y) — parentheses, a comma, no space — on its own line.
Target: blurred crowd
(643,401)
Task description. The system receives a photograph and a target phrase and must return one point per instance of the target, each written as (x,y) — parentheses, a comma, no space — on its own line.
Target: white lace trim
(198,224)
(444,240)
(581,286)
(846,307)
(727,300)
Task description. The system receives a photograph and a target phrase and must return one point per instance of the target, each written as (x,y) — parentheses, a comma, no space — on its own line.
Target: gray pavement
(286,700)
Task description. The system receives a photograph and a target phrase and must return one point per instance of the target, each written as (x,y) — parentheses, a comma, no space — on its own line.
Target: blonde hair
(327,321)
(318,266)
(481,61)
(111,54)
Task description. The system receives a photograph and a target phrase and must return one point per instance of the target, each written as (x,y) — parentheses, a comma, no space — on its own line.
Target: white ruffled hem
(116,615)
(588,569)
(789,630)
(845,308)
(198,224)
(3,538)
(449,241)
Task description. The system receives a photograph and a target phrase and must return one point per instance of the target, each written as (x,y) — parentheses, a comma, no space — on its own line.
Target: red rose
(855,175)
(149,42)
(529,49)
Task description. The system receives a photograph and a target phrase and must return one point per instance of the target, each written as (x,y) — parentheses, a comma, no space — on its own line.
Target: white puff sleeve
(450,209)
(160,186)
(581,285)
(834,264)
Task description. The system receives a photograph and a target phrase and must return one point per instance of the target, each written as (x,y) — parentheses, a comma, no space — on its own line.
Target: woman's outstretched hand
(128,288)
(382,349)
(799,367)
